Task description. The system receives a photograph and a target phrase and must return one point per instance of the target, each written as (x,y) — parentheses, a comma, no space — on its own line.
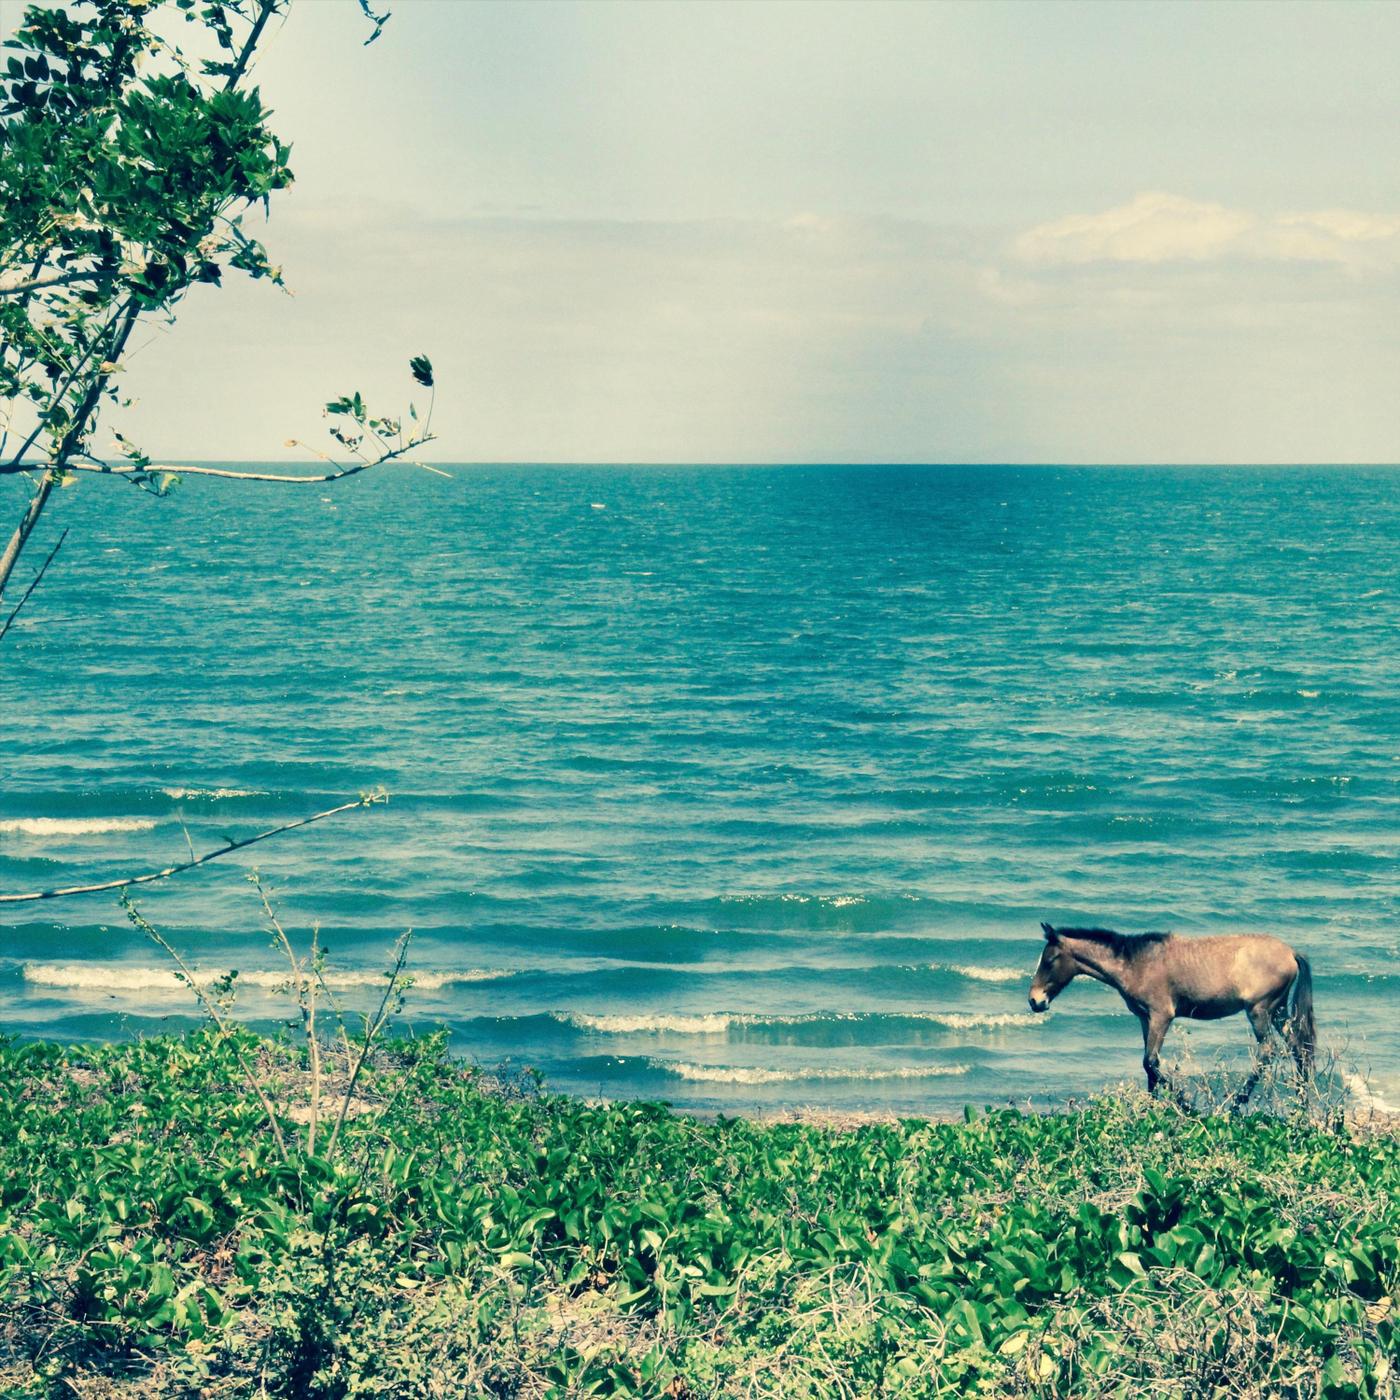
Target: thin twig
(306,1003)
(373,1025)
(313,1046)
(367,800)
(334,1004)
(43,569)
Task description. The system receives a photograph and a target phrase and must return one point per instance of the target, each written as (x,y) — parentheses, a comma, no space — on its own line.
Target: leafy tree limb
(126,170)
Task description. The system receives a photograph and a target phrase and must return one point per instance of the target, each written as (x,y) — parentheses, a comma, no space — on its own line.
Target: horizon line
(776,462)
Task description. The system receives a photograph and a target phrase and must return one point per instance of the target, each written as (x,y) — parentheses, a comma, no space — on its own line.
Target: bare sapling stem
(333,1002)
(373,1025)
(304,985)
(313,1046)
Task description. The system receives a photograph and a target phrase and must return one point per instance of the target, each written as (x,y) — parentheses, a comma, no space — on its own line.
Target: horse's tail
(1302,1033)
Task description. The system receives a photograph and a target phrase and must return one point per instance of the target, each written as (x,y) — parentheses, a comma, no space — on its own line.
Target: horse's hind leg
(1261,1021)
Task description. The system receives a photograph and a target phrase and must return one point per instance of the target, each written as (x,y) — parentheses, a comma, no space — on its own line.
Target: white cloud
(1151,228)
(1346,224)
(1165,228)
(1333,235)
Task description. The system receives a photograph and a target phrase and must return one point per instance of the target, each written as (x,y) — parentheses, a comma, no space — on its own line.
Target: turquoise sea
(732,786)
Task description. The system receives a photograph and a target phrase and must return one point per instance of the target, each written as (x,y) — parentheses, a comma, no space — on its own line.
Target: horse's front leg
(1154,1031)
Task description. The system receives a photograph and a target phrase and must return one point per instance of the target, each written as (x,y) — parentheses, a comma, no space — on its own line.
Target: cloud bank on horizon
(841,232)
(1156,227)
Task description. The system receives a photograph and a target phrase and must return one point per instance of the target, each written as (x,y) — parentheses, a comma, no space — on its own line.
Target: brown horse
(1161,977)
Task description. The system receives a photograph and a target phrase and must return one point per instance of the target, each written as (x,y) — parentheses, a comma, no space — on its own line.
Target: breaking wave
(985,974)
(181,794)
(720,1022)
(741,1074)
(1368,1098)
(715,1024)
(114,977)
(73,826)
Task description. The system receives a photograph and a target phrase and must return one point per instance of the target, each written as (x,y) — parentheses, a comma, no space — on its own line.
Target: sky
(788,232)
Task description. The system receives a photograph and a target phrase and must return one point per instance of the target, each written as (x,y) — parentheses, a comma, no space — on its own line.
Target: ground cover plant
(472,1235)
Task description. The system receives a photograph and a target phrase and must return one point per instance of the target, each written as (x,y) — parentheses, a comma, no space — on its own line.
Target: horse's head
(1053,973)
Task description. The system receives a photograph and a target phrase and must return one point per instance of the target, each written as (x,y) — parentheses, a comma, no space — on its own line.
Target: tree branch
(354,469)
(122,327)
(59,279)
(367,800)
(268,9)
(44,568)
(27,522)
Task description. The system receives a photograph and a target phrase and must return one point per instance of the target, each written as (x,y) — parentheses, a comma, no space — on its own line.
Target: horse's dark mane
(1124,945)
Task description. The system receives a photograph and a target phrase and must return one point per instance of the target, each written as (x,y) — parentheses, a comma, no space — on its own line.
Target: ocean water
(738,787)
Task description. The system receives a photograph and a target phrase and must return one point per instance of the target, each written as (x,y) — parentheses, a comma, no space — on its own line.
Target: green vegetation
(474,1236)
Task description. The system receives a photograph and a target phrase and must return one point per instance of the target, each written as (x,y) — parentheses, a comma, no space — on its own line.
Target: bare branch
(44,568)
(367,800)
(292,479)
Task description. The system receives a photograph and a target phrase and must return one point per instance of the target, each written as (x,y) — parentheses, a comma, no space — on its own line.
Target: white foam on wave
(974,1021)
(984,974)
(179,794)
(715,1024)
(432,981)
(110,977)
(1367,1096)
(719,1022)
(73,826)
(948,1020)
(743,1074)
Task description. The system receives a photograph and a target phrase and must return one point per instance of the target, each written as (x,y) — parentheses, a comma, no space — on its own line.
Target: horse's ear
(1050,934)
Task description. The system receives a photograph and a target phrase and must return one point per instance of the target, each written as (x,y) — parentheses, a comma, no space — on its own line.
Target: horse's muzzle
(1039,1004)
